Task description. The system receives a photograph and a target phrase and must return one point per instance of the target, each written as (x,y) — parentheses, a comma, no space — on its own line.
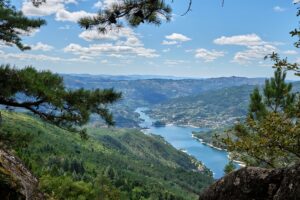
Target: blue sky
(210,41)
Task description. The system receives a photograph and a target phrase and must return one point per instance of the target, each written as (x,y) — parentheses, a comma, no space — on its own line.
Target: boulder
(16,181)
(253,183)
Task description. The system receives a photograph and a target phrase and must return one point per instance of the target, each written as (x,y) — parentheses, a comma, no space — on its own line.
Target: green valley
(111,164)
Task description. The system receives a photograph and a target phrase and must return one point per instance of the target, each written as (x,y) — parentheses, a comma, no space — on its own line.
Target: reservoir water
(181,138)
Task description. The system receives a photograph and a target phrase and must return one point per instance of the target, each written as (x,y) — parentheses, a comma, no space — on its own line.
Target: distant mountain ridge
(151,92)
(141,77)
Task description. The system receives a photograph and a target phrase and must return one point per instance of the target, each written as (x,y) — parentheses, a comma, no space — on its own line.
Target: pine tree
(44,94)
(135,12)
(13,25)
(270,135)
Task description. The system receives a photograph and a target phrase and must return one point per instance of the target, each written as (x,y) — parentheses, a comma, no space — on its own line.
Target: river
(181,138)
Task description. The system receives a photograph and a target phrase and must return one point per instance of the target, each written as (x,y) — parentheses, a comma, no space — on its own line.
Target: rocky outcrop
(16,181)
(252,183)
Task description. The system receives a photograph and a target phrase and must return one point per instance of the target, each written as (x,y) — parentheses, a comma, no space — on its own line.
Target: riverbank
(180,137)
(208,144)
(240,163)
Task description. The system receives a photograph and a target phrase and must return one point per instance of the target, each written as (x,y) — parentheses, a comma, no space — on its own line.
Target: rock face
(16,181)
(252,183)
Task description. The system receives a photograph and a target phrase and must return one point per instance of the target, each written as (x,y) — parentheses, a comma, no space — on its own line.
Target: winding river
(181,138)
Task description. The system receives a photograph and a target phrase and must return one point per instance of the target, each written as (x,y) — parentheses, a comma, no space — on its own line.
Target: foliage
(229,167)
(296,31)
(13,24)
(270,135)
(113,164)
(44,94)
(134,12)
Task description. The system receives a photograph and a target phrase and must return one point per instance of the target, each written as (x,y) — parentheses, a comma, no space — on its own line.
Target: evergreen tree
(44,94)
(229,167)
(13,24)
(134,12)
(270,135)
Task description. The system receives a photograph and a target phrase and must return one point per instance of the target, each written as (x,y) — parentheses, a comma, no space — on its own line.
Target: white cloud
(253,53)
(126,36)
(30,33)
(296,1)
(48,8)
(37,57)
(175,39)
(165,42)
(290,52)
(98,4)
(243,40)
(56,7)
(109,3)
(95,50)
(64,15)
(178,37)
(207,55)
(256,48)
(106,3)
(279,9)
(41,46)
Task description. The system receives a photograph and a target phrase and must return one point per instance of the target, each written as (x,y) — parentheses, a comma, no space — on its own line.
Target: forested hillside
(214,108)
(150,92)
(112,163)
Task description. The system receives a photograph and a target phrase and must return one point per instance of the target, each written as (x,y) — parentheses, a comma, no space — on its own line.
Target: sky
(209,41)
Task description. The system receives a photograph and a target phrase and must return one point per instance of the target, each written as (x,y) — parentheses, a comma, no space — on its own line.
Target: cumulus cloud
(243,40)
(253,53)
(42,47)
(178,37)
(125,43)
(56,7)
(64,15)
(125,33)
(95,50)
(175,38)
(48,8)
(207,55)
(256,48)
